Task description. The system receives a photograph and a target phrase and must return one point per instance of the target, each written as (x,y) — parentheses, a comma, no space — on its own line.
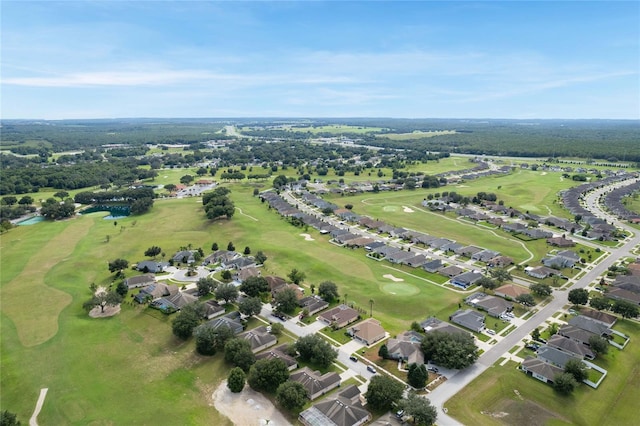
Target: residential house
(140,281)
(452,247)
(536,233)
(313,304)
(604,318)
(245,273)
(555,356)
(174,302)
(184,256)
(343,410)
(155,291)
(374,245)
(466,279)
(484,255)
(500,262)
(368,331)
(563,259)
(259,338)
(468,318)
(468,251)
(570,346)
(432,324)
(399,256)
(240,263)
(560,242)
(514,227)
(439,243)
(494,306)
(575,333)
(541,272)
(315,384)
(279,352)
(231,320)
(339,316)
(212,309)
(540,370)
(511,291)
(403,349)
(433,266)
(152,266)
(220,256)
(416,261)
(450,271)
(588,324)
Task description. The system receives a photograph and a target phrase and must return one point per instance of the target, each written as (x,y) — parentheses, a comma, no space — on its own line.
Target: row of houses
(571,342)
(613,201)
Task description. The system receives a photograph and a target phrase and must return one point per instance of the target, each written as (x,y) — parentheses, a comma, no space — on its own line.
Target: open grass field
(491,399)
(129,369)
(336,129)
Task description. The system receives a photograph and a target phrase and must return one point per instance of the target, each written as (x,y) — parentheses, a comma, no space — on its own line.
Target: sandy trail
(247,408)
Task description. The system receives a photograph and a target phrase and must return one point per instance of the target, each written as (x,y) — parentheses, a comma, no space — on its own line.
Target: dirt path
(33,421)
(247,408)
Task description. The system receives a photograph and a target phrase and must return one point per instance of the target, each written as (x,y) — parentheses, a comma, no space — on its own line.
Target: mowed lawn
(129,369)
(486,399)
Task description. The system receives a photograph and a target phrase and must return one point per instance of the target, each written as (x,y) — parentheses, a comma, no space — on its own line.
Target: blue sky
(94,59)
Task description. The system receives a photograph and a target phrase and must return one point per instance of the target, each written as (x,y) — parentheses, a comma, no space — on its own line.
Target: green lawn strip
(340,336)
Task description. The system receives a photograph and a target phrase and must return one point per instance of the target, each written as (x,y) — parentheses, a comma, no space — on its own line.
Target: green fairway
(396,289)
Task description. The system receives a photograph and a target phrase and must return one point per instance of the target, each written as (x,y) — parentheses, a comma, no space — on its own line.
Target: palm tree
(371,307)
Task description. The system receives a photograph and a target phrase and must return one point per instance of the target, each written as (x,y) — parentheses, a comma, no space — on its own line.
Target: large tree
(624,308)
(153,251)
(577,369)
(564,383)
(450,350)
(187,319)
(205,339)
(268,374)
(103,299)
(291,395)
(487,283)
(226,291)
(501,275)
(383,392)
(420,409)
(526,299)
(541,289)
(250,306)
(599,344)
(260,258)
(253,286)
(296,276)
(238,352)
(118,265)
(578,296)
(600,303)
(315,349)
(328,291)
(8,418)
(236,380)
(205,286)
(417,375)
(286,301)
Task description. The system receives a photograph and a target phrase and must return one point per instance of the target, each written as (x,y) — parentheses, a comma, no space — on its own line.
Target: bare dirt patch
(247,408)
(307,237)
(520,412)
(392,278)
(108,311)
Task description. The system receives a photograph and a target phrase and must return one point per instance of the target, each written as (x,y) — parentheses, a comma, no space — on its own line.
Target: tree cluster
(450,350)
(217,204)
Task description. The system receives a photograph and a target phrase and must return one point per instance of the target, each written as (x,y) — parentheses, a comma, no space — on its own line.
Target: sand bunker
(108,311)
(247,407)
(392,278)
(307,237)
(407,209)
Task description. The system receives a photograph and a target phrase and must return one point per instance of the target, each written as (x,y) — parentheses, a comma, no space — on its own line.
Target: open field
(335,129)
(486,400)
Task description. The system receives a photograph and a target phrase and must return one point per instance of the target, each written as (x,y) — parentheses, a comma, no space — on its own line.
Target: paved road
(457,382)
